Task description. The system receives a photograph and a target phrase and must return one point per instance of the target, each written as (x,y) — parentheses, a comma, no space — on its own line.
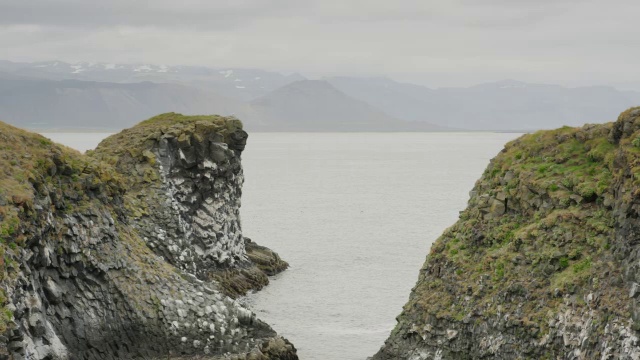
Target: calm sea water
(79,141)
(354,215)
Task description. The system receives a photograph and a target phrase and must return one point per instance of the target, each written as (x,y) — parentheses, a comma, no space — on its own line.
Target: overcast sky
(436,43)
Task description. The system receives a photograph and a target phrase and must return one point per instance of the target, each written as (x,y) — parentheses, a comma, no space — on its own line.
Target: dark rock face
(265,259)
(544,261)
(625,126)
(194,210)
(82,283)
(238,140)
(186,202)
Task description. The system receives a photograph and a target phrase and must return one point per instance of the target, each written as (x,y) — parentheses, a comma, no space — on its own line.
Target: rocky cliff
(184,184)
(108,261)
(544,262)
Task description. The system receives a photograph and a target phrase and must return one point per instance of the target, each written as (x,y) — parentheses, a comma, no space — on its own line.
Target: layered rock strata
(543,263)
(80,281)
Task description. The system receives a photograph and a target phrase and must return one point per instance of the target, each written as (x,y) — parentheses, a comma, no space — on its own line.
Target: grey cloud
(453,42)
(225,14)
(157,13)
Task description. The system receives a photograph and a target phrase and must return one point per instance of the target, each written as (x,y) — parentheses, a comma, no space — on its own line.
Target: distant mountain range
(503,105)
(73,104)
(242,84)
(58,95)
(317,105)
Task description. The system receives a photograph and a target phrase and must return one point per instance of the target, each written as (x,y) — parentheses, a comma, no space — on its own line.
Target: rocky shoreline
(119,253)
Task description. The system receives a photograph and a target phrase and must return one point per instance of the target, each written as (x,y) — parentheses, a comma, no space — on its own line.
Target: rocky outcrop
(543,263)
(185,199)
(80,281)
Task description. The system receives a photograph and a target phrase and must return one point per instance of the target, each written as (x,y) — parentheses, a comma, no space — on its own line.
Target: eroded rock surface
(79,281)
(543,263)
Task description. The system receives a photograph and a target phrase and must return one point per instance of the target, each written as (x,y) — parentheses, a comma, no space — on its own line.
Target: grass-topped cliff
(187,169)
(80,275)
(541,264)
(137,139)
(131,151)
(29,164)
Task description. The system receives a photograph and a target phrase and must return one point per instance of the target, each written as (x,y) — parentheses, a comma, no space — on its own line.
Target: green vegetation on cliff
(142,136)
(182,166)
(130,151)
(80,274)
(537,228)
(30,163)
(538,245)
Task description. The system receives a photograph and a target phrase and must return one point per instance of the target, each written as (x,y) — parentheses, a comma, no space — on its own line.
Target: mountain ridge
(507,104)
(388,105)
(322,107)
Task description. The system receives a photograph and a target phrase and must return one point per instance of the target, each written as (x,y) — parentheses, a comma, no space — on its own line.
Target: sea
(354,214)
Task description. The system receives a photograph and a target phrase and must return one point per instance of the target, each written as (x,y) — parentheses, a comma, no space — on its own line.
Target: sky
(435,43)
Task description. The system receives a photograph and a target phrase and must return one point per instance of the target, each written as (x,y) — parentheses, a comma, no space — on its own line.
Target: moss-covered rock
(543,262)
(78,280)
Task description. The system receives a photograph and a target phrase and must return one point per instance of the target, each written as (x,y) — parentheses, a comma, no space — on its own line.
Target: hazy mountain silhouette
(111,96)
(503,105)
(73,104)
(39,103)
(316,105)
(241,84)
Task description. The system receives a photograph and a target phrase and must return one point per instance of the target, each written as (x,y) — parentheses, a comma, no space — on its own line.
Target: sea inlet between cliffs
(354,214)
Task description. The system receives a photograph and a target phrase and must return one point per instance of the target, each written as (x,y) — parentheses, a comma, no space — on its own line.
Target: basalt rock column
(186,193)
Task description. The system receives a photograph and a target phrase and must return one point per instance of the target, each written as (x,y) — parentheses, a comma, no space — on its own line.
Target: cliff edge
(81,275)
(543,263)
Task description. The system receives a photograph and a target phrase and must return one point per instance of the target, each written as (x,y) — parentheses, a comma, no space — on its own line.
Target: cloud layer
(438,43)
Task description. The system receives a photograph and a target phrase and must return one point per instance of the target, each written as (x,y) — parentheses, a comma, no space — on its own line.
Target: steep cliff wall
(79,281)
(184,179)
(543,263)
